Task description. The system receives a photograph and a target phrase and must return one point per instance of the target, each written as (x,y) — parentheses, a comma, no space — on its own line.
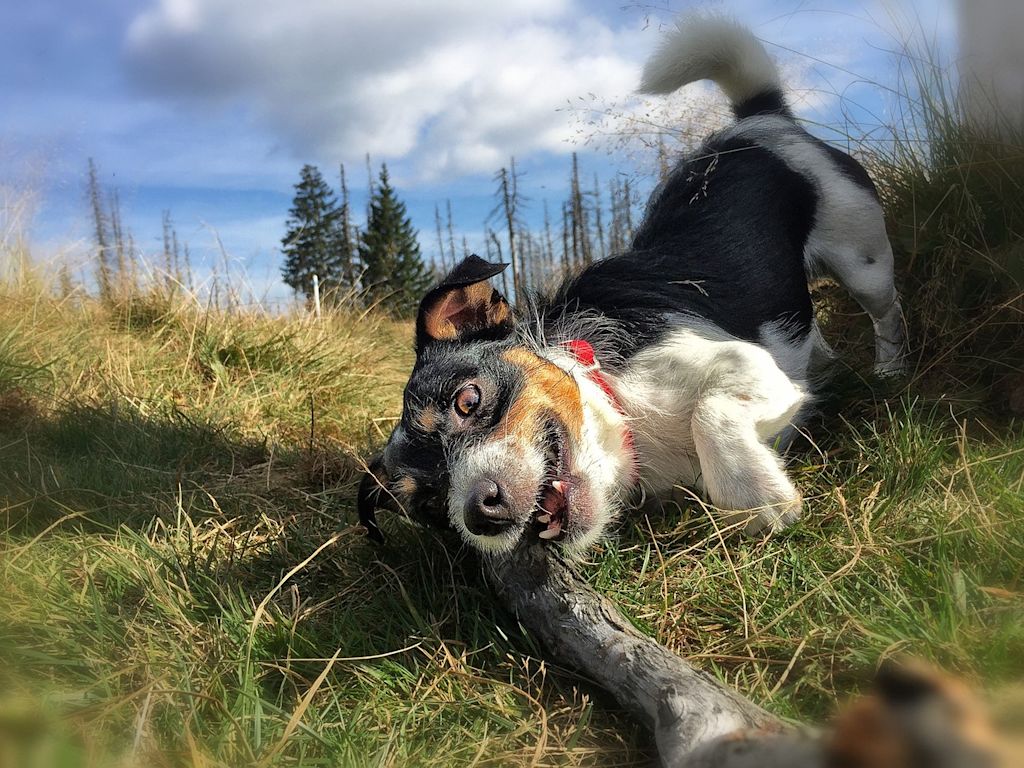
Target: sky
(209,108)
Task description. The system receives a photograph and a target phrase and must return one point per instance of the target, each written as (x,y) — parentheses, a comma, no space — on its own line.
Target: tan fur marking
(867,735)
(428,419)
(549,389)
(864,736)
(474,306)
(405,486)
(437,323)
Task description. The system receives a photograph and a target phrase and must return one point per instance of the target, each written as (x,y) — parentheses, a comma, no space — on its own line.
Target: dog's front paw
(775,517)
(766,519)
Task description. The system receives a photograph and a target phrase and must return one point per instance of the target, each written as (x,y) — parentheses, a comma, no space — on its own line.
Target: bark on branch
(689,711)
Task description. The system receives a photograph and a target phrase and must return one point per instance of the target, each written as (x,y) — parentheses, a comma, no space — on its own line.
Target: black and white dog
(680,362)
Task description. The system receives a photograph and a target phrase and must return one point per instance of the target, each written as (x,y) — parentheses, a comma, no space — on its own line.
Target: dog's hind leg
(849,243)
(868,276)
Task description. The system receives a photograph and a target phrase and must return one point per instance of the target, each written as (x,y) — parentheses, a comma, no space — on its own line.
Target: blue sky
(208,108)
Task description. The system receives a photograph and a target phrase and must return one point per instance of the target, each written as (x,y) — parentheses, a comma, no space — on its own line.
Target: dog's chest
(659,391)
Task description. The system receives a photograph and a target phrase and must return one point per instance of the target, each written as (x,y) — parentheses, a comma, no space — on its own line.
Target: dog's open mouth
(551,515)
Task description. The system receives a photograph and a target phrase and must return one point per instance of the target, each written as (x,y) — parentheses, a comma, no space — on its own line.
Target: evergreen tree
(313,244)
(394,275)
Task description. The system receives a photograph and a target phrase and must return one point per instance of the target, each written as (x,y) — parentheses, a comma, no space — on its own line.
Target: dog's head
(500,432)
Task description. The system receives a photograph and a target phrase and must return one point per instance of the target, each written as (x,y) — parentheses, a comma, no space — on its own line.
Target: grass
(183,582)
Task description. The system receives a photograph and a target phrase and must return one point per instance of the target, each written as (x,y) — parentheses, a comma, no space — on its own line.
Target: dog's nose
(487,511)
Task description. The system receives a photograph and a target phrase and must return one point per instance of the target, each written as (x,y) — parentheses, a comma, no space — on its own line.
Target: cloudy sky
(208,108)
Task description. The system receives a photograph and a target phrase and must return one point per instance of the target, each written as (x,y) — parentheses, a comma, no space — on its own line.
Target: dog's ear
(464,305)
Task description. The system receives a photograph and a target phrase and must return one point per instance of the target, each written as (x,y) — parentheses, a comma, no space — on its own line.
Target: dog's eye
(466,400)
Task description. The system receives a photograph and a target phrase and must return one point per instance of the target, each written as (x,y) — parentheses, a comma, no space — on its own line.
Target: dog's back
(733,234)
(845,237)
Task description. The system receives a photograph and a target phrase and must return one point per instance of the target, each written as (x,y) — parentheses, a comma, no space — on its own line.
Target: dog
(684,361)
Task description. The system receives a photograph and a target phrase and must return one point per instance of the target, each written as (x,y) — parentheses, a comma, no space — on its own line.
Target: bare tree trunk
(549,246)
(509,200)
(187,258)
(176,249)
(346,231)
(580,229)
(119,245)
(451,233)
(103,276)
(504,275)
(565,239)
(440,238)
(168,250)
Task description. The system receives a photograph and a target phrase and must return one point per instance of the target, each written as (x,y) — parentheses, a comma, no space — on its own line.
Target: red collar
(582,350)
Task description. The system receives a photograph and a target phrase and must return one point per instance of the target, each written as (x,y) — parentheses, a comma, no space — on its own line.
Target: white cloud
(451,86)
(460,84)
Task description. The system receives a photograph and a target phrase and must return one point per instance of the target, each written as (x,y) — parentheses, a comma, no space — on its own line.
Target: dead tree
(440,238)
(598,228)
(348,234)
(509,207)
(451,233)
(103,272)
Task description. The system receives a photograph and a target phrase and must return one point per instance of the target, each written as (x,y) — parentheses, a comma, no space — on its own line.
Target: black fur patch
(765,103)
(722,240)
(442,367)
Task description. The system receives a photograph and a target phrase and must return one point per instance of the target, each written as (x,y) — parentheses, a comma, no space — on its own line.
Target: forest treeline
(332,256)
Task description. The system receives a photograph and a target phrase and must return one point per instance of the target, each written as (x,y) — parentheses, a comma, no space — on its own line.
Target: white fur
(711,48)
(703,407)
(848,240)
(508,459)
(601,457)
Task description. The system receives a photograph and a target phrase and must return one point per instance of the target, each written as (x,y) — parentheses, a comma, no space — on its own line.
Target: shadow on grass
(140,531)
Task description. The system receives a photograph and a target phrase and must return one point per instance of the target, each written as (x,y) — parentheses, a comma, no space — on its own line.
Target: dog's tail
(719,49)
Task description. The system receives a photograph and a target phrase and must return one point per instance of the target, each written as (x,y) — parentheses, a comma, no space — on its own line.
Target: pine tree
(394,276)
(312,243)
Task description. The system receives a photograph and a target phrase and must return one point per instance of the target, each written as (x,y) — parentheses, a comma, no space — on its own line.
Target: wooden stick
(688,709)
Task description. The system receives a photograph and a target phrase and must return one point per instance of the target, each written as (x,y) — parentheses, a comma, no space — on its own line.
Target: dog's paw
(891,368)
(766,519)
(890,357)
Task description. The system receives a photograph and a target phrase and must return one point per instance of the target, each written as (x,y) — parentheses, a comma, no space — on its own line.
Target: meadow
(183,582)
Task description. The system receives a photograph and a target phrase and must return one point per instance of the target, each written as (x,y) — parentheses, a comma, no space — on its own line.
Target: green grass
(183,582)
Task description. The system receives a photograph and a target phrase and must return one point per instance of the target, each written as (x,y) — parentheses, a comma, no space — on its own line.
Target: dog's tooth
(557,485)
(545,518)
(548,533)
